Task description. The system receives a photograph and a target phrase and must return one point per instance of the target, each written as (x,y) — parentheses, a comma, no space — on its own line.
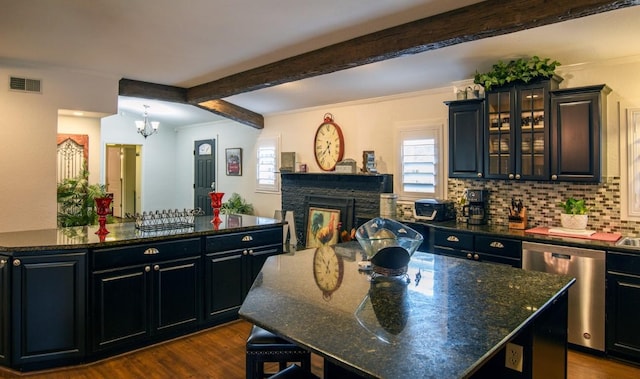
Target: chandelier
(146,127)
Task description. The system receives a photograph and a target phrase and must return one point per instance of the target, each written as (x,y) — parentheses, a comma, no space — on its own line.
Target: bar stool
(294,372)
(264,346)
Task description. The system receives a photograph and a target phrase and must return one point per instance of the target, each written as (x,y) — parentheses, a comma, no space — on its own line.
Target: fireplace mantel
(364,189)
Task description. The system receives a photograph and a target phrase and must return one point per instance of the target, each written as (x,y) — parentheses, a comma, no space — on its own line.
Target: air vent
(25,85)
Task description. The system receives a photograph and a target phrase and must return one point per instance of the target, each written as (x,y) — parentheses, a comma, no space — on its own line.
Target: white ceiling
(186,43)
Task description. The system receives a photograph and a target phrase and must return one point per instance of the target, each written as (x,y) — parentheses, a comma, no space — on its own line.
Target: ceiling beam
(477,21)
(146,90)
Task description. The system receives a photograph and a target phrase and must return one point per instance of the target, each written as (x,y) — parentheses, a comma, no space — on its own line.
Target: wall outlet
(513,357)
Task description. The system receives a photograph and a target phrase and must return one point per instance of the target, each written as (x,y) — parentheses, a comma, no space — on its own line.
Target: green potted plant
(523,70)
(236,205)
(76,204)
(574,213)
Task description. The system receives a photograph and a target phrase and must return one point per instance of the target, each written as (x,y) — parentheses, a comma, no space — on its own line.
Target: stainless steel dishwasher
(586,296)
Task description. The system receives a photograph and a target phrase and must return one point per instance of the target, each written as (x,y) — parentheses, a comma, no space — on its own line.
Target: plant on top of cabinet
(524,70)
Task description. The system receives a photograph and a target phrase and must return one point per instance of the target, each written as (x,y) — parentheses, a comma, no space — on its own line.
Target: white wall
(28,129)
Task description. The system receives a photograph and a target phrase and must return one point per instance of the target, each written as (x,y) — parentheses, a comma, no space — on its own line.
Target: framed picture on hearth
(322,227)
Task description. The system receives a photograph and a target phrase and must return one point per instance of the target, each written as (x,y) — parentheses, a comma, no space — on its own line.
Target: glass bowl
(389,245)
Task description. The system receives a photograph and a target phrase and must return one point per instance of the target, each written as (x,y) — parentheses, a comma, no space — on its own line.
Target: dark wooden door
(204,174)
(466,125)
(223,281)
(4,310)
(120,307)
(177,295)
(255,259)
(48,309)
(576,133)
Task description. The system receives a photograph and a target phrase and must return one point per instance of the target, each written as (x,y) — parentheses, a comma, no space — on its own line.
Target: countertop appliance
(434,210)
(476,210)
(586,296)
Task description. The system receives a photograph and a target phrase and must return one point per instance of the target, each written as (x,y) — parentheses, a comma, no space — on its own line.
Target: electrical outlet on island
(513,357)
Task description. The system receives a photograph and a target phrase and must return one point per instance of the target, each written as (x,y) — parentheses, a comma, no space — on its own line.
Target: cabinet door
(4,310)
(177,292)
(576,134)
(623,312)
(255,260)
(532,132)
(466,126)
(499,161)
(223,285)
(120,306)
(48,308)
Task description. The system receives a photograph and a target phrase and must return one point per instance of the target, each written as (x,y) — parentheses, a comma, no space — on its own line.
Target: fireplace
(356,196)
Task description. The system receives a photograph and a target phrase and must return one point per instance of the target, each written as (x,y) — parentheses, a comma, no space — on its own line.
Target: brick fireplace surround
(357,196)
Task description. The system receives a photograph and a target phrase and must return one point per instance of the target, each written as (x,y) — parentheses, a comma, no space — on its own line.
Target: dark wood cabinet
(576,133)
(153,298)
(517,131)
(623,306)
(232,263)
(466,138)
(480,248)
(47,309)
(4,309)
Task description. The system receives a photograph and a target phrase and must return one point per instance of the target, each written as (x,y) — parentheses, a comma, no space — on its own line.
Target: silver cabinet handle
(497,245)
(247,238)
(156,268)
(3,262)
(245,252)
(453,239)
(554,177)
(147,268)
(476,256)
(479,175)
(16,262)
(510,176)
(151,251)
(517,176)
(469,256)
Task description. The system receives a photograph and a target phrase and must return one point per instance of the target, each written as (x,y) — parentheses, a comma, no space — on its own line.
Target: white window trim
(267,142)
(436,127)
(629,155)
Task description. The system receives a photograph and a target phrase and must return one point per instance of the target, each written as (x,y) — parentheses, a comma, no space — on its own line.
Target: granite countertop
(123,233)
(447,324)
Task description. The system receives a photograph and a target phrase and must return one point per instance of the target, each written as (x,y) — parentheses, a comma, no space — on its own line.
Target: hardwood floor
(219,353)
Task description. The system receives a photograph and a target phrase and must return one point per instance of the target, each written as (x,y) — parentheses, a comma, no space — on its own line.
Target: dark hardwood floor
(219,353)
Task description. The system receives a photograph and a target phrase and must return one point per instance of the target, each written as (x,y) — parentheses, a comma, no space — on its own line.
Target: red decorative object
(103,208)
(216,203)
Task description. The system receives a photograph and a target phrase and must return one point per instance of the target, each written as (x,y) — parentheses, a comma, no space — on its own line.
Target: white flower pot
(570,221)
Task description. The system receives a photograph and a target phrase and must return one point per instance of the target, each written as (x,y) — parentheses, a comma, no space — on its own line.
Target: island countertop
(83,237)
(448,323)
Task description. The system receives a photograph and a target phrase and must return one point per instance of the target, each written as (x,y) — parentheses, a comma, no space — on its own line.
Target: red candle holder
(216,204)
(103,208)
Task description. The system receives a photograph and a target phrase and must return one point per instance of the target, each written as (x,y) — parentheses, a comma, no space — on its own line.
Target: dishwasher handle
(561,256)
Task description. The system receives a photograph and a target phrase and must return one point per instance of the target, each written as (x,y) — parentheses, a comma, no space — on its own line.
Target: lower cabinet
(141,303)
(4,310)
(48,295)
(230,271)
(481,248)
(623,306)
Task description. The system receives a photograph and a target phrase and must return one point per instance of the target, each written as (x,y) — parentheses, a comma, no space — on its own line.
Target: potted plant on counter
(574,215)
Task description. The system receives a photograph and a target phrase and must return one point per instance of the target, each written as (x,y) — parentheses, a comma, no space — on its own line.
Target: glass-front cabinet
(517,137)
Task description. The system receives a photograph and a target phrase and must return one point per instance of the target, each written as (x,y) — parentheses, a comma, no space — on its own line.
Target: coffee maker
(476,209)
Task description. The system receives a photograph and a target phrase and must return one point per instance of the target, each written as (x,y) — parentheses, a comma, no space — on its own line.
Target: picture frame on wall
(322,227)
(234,161)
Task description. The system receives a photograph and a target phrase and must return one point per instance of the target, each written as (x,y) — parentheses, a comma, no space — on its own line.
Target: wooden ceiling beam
(477,21)
(234,112)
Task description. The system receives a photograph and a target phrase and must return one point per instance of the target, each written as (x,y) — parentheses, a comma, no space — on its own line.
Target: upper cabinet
(517,131)
(466,124)
(576,133)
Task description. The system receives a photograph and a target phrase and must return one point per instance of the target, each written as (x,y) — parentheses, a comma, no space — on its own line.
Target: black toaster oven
(434,210)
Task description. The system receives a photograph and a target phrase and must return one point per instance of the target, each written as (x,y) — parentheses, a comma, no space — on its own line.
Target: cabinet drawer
(244,240)
(145,253)
(456,240)
(623,262)
(499,246)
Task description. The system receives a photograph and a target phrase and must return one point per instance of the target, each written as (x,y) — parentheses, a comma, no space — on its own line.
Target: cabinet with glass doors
(517,137)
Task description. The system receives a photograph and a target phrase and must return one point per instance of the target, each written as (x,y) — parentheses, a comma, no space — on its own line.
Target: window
(631,179)
(267,179)
(420,172)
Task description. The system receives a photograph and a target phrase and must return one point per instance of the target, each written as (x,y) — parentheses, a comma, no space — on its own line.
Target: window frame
(262,143)
(420,130)
(630,156)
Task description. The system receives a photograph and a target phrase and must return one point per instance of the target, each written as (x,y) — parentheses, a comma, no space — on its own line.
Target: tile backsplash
(542,198)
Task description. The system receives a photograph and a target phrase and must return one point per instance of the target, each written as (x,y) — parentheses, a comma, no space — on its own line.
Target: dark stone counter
(446,325)
(122,234)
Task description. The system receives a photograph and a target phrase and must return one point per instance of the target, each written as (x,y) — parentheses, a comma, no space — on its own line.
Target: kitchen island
(454,319)
(69,296)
